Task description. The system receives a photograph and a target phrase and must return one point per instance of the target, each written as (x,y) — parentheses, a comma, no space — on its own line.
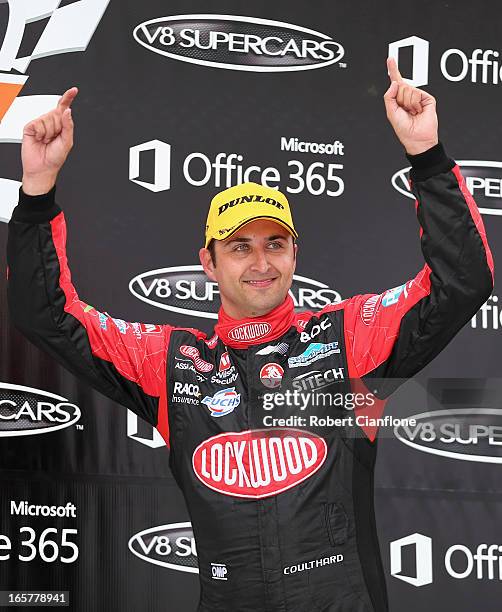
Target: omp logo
(26,411)
(483,179)
(142,432)
(459,561)
(68,29)
(258,463)
(171,546)
(238,43)
(468,434)
(421,548)
(420,48)
(187,290)
(477,66)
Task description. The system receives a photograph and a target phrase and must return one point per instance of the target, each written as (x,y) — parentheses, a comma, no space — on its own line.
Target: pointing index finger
(394,73)
(67,98)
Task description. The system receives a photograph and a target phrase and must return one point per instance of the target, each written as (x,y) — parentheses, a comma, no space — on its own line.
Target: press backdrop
(168,113)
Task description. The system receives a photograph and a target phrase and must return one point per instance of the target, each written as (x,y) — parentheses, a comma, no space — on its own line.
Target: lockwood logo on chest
(258,463)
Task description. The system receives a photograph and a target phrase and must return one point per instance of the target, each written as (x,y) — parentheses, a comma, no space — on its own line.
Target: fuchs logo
(250,331)
(187,290)
(314,351)
(470,434)
(271,375)
(483,179)
(193,353)
(258,463)
(238,43)
(26,411)
(223,402)
(171,546)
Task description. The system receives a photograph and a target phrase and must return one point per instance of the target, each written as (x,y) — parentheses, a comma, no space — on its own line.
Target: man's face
(254,268)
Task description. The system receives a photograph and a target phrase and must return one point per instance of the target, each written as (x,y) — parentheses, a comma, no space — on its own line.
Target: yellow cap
(234,207)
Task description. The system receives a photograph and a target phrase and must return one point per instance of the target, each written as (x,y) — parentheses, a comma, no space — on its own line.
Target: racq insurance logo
(171,546)
(483,179)
(25,411)
(239,43)
(187,290)
(468,434)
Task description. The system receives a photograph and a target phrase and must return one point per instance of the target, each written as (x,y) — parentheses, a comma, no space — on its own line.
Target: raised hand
(411,112)
(47,141)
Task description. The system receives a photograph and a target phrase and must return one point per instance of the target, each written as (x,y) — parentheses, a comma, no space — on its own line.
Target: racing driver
(283,516)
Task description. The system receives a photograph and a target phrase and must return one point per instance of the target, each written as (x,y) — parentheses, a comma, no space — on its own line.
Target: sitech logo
(468,434)
(187,290)
(26,411)
(459,561)
(258,463)
(171,546)
(238,43)
(483,179)
(477,65)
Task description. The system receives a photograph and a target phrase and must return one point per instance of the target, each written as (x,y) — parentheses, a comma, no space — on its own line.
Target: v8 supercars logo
(238,43)
(171,546)
(25,411)
(187,290)
(483,179)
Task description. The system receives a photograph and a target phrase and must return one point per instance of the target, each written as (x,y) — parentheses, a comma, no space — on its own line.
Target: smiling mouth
(259,284)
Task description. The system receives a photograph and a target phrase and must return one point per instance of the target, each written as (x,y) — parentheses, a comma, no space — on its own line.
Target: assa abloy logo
(483,179)
(187,290)
(26,411)
(171,546)
(238,43)
(258,463)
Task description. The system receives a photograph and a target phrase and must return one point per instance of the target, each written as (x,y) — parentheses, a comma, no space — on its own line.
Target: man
(283,516)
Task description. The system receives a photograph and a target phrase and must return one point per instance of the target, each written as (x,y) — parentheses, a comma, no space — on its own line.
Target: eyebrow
(242,239)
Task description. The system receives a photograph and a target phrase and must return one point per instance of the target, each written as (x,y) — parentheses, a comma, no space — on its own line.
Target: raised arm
(125,361)
(395,334)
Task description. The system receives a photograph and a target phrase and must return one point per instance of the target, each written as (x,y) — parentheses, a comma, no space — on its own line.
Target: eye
(242,246)
(275,245)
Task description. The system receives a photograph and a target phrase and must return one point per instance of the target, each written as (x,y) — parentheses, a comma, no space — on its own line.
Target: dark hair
(212,250)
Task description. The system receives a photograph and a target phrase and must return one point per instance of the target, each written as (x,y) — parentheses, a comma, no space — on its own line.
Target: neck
(241,332)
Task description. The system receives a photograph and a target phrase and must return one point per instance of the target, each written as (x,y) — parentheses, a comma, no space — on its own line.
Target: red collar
(241,333)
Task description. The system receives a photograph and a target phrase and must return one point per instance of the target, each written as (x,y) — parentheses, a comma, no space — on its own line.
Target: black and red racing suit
(282,515)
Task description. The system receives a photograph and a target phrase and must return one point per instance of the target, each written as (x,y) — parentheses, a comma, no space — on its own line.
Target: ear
(295,252)
(207,263)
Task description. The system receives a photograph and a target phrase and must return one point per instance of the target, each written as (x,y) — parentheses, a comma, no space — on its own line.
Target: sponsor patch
(271,375)
(250,331)
(222,402)
(258,463)
(314,351)
(193,353)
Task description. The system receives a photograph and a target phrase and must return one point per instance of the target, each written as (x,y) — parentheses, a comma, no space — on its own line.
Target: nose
(260,262)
